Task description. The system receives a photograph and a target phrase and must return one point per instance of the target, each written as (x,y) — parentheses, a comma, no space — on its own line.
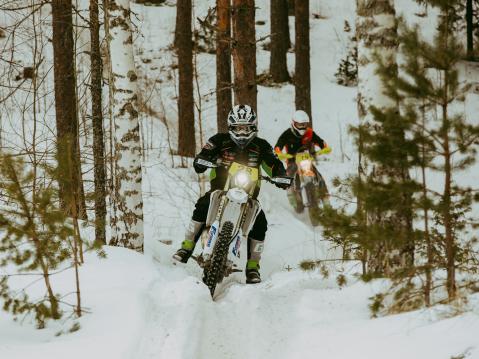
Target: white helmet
(242,124)
(300,123)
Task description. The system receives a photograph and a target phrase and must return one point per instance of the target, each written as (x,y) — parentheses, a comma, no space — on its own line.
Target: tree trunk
(97,124)
(469,28)
(302,76)
(223,64)
(244,53)
(128,222)
(290,7)
(285,23)
(186,114)
(66,108)
(446,198)
(278,66)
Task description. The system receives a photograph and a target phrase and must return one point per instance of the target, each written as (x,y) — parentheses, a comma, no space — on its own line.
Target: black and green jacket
(223,150)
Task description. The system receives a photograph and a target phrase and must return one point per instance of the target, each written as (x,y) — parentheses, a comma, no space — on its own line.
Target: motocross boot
(255,248)
(252,272)
(188,245)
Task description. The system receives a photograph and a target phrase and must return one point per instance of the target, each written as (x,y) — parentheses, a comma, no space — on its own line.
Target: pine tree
(469,30)
(186,113)
(278,66)
(35,237)
(65,98)
(302,74)
(428,136)
(244,53)
(97,124)
(223,64)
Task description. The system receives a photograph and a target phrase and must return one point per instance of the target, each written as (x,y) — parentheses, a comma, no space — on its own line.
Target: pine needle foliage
(34,237)
(430,135)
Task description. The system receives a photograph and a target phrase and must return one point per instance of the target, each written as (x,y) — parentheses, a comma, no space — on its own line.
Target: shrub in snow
(347,73)
(36,238)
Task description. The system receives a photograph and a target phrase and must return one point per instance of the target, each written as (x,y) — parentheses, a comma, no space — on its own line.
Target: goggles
(242,129)
(301,126)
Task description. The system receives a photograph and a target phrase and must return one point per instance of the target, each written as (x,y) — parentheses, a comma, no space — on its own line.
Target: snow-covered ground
(143,306)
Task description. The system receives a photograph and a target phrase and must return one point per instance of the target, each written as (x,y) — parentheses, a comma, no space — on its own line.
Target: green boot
(188,245)
(252,272)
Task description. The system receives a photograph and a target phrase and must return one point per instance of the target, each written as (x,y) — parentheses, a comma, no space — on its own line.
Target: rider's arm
(318,141)
(209,152)
(270,163)
(281,143)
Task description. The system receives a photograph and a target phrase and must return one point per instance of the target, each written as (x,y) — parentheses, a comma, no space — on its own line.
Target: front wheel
(215,268)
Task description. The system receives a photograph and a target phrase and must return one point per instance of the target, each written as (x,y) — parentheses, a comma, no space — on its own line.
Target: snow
(144,306)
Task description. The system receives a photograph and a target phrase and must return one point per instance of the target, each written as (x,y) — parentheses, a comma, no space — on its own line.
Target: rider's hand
(282,185)
(198,166)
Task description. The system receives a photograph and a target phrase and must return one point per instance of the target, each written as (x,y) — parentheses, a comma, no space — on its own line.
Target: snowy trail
(264,316)
(292,313)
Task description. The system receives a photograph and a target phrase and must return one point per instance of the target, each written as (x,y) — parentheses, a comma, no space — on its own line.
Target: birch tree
(377,46)
(127,221)
(376,33)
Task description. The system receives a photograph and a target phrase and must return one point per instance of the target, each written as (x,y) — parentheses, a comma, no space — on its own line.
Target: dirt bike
(231,215)
(309,188)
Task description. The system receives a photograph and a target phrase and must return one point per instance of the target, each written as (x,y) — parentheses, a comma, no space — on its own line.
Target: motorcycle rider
(241,145)
(298,137)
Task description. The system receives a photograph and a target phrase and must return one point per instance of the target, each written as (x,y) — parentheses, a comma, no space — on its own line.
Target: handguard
(283,156)
(324,151)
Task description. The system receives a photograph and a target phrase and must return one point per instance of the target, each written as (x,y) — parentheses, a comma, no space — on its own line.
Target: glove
(282,185)
(199,165)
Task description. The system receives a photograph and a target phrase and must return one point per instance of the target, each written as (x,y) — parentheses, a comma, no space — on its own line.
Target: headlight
(305,165)
(242,179)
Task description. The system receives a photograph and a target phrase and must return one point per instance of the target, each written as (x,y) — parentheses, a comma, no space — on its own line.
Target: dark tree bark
(97,123)
(223,64)
(244,53)
(302,76)
(278,66)
(469,28)
(70,181)
(184,46)
(291,7)
(285,23)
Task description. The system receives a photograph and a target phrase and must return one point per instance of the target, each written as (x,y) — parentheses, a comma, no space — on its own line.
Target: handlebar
(278,180)
(205,163)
